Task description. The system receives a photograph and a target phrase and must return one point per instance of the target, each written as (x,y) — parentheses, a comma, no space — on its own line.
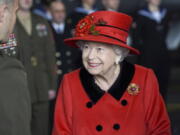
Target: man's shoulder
(7,63)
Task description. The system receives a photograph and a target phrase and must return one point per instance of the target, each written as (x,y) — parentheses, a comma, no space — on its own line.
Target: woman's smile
(93,65)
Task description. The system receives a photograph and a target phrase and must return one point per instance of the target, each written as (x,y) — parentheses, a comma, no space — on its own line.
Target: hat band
(113,38)
(112,27)
(113,33)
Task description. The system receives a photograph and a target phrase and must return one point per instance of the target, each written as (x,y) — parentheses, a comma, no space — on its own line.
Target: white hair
(80,43)
(121,52)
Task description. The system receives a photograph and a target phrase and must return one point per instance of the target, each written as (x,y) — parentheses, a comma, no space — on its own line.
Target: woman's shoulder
(146,78)
(143,70)
(73,74)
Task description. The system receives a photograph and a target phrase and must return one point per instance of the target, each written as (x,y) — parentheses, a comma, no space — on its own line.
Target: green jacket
(36,51)
(15,108)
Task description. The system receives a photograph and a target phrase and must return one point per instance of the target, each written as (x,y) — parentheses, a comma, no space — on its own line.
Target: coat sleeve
(156,116)
(63,110)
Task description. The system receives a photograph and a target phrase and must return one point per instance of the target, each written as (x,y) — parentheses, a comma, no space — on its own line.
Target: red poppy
(86,26)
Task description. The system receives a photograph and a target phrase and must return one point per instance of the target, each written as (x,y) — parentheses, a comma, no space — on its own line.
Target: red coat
(135,108)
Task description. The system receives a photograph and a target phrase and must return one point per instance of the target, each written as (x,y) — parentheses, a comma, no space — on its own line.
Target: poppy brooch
(133,89)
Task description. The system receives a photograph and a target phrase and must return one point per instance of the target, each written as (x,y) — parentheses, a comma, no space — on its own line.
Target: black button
(99,128)
(116,126)
(89,105)
(124,102)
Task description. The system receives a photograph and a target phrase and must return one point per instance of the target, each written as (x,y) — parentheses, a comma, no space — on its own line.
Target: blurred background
(70,11)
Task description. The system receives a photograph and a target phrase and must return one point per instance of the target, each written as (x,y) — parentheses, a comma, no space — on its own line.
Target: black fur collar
(117,89)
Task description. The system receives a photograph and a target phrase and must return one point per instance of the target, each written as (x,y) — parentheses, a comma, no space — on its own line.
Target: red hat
(104,26)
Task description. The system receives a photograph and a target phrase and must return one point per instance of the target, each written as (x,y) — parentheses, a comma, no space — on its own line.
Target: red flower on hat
(86,26)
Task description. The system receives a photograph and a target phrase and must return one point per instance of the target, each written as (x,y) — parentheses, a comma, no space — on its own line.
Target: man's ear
(3,8)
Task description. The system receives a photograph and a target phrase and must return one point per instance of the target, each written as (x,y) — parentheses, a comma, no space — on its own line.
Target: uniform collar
(85,11)
(117,89)
(59,28)
(147,13)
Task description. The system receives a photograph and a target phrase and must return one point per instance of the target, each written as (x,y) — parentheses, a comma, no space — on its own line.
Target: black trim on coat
(117,90)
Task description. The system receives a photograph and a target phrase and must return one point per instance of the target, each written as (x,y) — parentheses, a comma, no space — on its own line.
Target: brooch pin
(133,89)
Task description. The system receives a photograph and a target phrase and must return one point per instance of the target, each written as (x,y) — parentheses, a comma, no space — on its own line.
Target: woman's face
(98,58)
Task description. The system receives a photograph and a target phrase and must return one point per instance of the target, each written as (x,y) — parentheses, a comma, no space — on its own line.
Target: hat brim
(72,42)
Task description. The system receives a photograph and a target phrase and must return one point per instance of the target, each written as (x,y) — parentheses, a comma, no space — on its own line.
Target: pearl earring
(117,60)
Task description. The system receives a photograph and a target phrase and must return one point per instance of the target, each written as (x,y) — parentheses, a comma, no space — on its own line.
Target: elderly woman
(108,96)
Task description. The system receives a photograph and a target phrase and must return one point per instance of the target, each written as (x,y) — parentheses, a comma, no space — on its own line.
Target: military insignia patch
(41,30)
(10,43)
(9,48)
(133,89)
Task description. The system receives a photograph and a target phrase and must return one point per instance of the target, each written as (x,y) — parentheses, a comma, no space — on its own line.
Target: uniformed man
(37,54)
(15,111)
(67,57)
(85,7)
(111,5)
(150,33)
